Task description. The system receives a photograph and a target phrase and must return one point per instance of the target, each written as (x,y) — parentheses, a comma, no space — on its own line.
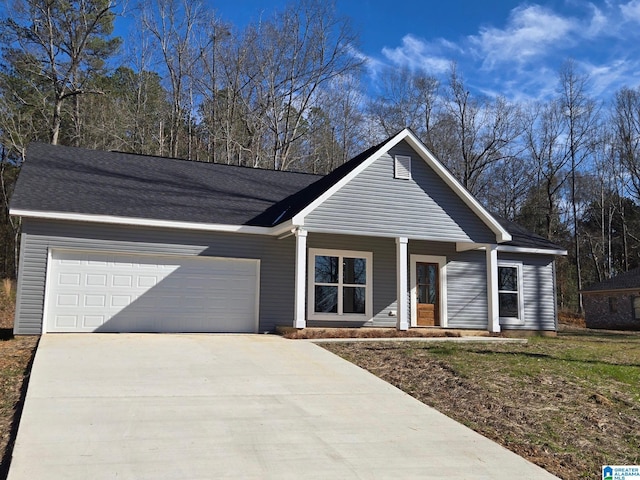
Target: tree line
(289,92)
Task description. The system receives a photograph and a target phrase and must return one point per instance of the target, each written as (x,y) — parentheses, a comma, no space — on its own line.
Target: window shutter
(403,167)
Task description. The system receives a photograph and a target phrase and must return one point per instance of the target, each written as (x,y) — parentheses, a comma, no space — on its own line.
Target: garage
(118,292)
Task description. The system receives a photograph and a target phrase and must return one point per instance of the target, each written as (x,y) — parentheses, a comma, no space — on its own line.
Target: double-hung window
(339,285)
(510,301)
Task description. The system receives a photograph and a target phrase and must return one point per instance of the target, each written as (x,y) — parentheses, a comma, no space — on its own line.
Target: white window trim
(402,167)
(442,278)
(345,317)
(520,319)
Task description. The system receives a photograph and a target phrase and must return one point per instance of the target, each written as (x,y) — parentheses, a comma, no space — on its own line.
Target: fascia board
(298,219)
(502,235)
(538,251)
(465,247)
(142,222)
(607,291)
(285,227)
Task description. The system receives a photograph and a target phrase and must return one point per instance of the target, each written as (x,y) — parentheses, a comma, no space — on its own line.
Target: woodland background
(289,92)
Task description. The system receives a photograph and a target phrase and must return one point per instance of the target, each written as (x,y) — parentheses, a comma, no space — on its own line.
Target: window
(636,308)
(613,305)
(510,292)
(402,168)
(339,284)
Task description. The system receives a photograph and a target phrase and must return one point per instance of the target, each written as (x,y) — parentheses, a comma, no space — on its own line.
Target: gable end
(499,233)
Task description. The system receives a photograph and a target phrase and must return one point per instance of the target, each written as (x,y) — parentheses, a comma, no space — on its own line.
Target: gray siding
(466,271)
(276,266)
(467,290)
(538,277)
(376,203)
(466,283)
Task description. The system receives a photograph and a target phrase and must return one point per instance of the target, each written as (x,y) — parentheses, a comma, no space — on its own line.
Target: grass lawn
(569,404)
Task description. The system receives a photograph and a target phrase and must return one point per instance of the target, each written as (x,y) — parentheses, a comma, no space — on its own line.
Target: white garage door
(96,292)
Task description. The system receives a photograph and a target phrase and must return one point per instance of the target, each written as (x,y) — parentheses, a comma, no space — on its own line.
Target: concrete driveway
(232,406)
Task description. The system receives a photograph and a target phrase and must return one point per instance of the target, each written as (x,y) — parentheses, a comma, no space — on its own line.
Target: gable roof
(502,235)
(80,184)
(80,181)
(624,281)
(523,238)
(293,204)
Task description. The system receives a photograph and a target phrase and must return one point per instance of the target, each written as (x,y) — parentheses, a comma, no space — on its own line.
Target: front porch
(361,281)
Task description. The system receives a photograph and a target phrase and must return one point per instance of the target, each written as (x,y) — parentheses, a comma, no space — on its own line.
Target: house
(614,303)
(116,242)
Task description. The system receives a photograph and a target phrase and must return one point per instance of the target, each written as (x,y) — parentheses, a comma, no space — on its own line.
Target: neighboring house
(116,242)
(614,303)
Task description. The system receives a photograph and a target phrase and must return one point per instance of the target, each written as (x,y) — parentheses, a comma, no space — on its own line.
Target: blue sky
(501,47)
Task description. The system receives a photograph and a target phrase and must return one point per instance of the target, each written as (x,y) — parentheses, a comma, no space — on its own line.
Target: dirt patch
(373,332)
(572,319)
(16,355)
(568,404)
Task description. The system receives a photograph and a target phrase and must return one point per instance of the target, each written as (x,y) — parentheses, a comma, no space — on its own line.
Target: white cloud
(609,77)
(530,32)
(599,22)
(418,54)
(520,58)
(631,10)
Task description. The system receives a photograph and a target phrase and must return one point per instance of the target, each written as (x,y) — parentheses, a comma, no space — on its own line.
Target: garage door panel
(95,280)
(137,293)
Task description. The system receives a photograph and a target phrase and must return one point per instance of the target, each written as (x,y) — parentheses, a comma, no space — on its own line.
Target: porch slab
(377,332)
(469,339)
(415,333)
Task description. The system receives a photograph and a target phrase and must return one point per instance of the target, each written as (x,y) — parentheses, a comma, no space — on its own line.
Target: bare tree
(60,45)
(478,132)
(291,57)
(580,117)
(508,185)
(406,99)
(626,124)
(544,139)
(177,27)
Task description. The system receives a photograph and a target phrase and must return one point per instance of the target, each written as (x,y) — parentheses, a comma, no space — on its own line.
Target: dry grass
(16,355)
(569,404)
(572,319)
(8,288)
(316,333)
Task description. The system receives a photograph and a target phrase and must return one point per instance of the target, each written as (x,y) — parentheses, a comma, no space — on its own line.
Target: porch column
(300,318)
(402,313)
(493,322)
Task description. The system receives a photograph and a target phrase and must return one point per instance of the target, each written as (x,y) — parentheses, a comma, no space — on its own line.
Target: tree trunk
(56,121)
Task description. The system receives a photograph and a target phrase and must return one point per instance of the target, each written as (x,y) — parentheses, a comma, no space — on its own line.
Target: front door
(428,293)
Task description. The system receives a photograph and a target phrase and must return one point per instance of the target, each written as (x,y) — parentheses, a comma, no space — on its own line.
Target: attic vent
(403,167)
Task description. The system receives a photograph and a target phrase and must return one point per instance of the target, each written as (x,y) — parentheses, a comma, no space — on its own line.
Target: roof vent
(403,167)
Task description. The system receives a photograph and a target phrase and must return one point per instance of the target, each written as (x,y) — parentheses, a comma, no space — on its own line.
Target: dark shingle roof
(290,206)
(521,237)
(76,180)
(623,281)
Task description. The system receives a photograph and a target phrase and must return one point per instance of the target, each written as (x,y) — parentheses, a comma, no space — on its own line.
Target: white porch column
(402,312)
(300,318)
(493,322)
